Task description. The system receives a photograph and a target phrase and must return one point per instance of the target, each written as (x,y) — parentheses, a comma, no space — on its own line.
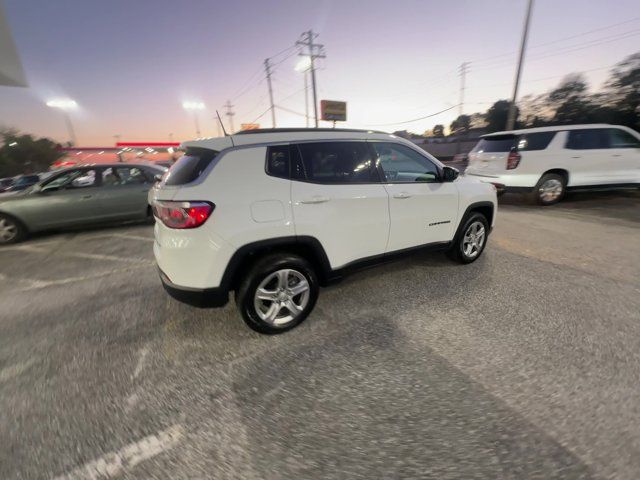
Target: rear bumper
(197,297)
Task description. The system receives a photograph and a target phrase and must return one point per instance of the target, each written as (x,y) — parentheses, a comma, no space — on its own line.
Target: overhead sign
(249,126)
(333,111)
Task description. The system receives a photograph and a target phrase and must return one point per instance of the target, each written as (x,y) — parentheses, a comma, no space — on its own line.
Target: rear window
(190,166)
(496,143)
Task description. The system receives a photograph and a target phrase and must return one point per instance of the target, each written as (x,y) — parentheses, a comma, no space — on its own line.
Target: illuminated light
(62,103)
(193,105)
(78,153)
(303,65)
(101,152)
(13,144)
(170,150)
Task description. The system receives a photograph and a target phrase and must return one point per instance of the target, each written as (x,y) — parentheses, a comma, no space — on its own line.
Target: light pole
(65,105)
(303,66)
(194,107)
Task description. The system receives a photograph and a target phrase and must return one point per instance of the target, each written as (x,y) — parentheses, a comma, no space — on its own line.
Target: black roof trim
(290,130)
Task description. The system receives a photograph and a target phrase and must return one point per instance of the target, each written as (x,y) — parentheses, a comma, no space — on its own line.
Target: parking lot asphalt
(524,364)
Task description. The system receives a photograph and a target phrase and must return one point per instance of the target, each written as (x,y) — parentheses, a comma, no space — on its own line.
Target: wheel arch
(558,171)
(307,247)
(17,219)
(486,208)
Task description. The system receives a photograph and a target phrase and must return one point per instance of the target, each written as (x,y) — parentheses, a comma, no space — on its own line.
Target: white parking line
(114,463)
(144,351)
(15,370)
(37,284)
(131,237)
(98,256)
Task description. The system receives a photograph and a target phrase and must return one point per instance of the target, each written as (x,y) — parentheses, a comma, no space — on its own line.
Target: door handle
(315,199)
(616,155)
(401,195)
(84,197)
(576,156)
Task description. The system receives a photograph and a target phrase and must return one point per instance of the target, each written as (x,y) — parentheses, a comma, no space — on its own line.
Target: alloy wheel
(8,230)
(473,240)
(281,296)
(550,190)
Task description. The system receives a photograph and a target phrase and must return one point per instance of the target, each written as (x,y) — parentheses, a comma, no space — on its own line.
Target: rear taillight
(182,214)
(513,160)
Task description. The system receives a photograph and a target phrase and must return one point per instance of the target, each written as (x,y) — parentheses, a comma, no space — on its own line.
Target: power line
(553,42)
(412,120)
(290,111)
(568,49)
(464,68)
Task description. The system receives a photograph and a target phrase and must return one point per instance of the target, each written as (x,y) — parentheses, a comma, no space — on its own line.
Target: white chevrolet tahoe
(275,214)
(548,161)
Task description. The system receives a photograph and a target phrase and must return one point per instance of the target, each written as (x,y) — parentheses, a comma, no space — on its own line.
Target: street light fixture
(194,107)
(65,105)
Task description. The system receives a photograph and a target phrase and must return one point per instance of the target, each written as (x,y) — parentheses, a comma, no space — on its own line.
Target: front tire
(278,293)
(471,240)
(550,189)
(11,230)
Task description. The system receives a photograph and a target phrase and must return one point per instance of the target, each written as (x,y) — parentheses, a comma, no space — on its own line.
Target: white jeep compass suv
(548,161)
(274,214)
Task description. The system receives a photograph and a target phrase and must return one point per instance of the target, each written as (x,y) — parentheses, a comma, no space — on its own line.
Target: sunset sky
(130,64)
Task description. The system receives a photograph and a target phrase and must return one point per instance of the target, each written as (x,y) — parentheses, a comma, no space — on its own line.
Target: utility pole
(230,114)
(511,120)
(119,154)
(306,97)
(315,51)
(267,69)
(464,68)
(72,133)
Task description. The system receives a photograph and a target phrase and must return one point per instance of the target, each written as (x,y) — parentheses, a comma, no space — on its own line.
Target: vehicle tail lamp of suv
(183,214)
(513,160)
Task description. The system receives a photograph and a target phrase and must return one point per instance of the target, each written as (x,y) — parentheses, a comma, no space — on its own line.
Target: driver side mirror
(157,177)
(449,174)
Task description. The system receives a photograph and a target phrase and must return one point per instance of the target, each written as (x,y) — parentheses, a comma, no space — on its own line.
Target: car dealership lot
(524,364)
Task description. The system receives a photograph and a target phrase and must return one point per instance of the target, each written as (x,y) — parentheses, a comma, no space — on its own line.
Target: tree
(461,124)
(571,101)
(623,89)
(438,131)
(497,115)
(23,153)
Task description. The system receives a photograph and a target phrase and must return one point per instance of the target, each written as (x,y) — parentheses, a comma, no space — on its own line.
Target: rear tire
(11,230)
(550,189)
(471,239)
(278,293)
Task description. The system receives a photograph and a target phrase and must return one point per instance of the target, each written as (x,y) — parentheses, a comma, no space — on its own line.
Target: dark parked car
(5,183)
(23,182)
(79,196)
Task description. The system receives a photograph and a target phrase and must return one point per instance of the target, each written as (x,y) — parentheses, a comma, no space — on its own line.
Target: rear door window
(495,144)
(335,163)
(190,166)
(588,139)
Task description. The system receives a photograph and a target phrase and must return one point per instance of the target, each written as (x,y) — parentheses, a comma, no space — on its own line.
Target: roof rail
(290,130)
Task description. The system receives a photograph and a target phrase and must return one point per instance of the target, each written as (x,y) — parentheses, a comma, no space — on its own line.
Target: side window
(535,141)
(621,139)
(402,164)
(334,163)
(72,179)
(587,139)
(86,178)
(278,161)
(114,176)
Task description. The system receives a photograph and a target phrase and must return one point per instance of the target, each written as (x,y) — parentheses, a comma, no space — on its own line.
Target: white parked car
(274,214)
(548,161)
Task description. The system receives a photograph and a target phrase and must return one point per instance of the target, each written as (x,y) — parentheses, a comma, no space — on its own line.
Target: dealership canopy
(11,73)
